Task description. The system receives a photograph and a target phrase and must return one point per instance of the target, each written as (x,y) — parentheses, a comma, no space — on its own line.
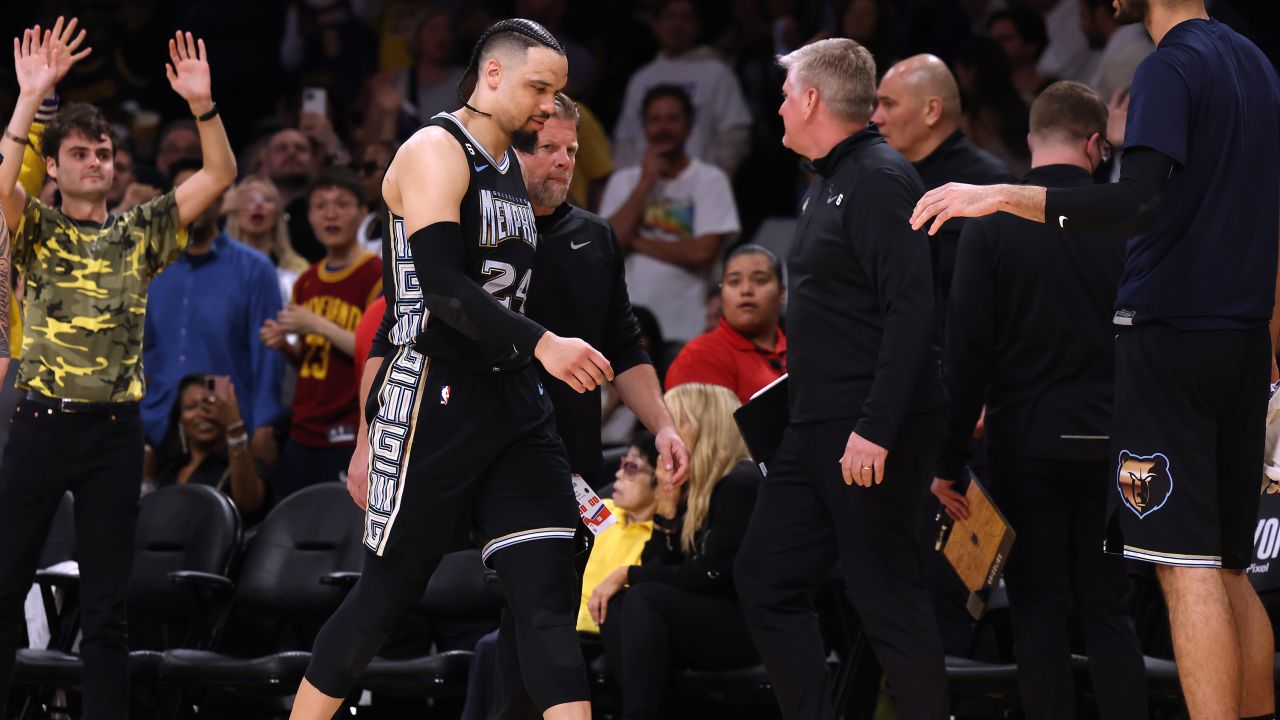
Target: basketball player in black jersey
(461,436)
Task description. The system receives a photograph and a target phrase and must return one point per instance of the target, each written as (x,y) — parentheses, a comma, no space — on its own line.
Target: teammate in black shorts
(461,436)
(1200,188)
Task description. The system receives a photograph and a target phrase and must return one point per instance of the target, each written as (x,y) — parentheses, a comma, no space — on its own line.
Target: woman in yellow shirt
(635,498)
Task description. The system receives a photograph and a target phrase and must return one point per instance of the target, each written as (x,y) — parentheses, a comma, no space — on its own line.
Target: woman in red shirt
(748,349)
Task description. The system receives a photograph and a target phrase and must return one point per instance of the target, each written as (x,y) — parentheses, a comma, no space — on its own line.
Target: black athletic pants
(652,628)
(98,457)
(805,522)
(1058,571)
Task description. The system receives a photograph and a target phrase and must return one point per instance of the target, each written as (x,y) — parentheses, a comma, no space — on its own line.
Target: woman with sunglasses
(677,607)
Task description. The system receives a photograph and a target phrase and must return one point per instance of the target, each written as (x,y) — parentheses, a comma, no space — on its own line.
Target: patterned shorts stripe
(390,439)
(525,536)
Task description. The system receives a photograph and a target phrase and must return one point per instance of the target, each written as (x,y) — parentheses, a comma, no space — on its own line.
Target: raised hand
(66,46)
(188,72)
(35,62)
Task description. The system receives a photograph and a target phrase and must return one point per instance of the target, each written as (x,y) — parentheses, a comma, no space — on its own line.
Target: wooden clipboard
(977,548)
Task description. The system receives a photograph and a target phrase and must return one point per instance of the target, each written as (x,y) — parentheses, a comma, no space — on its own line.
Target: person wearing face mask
(1045,374)
(328,302)
(747,350)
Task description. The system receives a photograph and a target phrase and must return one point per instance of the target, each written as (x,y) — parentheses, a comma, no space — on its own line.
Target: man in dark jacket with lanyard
(1199,188)
(866,403)
(1029,334)
(580,289)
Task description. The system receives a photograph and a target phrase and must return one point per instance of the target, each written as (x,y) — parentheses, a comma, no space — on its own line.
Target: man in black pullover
(1029,334)
(866,403)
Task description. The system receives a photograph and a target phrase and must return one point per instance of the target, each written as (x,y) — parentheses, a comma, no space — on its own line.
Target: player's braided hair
(533,34)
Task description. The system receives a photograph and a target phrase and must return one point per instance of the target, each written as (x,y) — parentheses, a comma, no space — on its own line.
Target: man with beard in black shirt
(866,404)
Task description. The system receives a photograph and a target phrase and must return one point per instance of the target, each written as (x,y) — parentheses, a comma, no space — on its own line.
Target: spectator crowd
(253,344)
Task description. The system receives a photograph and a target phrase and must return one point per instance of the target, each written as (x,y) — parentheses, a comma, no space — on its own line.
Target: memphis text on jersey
(504,217)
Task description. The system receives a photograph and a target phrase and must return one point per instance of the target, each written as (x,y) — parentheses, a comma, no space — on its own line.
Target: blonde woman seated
(678,608)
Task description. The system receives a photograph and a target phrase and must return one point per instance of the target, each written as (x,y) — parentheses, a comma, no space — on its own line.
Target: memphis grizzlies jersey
(500,235)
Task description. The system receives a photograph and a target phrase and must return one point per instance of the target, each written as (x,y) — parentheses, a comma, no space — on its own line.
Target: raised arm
(188,73)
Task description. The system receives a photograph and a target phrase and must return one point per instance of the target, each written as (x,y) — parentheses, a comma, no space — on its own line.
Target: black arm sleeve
(447,293)
(1128,204)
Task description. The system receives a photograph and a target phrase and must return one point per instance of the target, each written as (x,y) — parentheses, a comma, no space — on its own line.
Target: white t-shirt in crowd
(1068,55)
(1127,47)
(717,100)
(697,202)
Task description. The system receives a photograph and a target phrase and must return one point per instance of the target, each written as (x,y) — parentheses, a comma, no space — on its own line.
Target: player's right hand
(573,361)
(358,475)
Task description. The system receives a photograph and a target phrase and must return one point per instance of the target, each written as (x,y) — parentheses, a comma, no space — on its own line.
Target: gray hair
(842,71)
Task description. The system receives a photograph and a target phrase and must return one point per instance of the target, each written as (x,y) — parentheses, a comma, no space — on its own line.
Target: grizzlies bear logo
(1145,482)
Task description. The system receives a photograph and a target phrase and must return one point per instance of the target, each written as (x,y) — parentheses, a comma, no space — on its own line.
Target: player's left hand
(598,603)
(955,200)
(863,461)
(673,455)
(188,72)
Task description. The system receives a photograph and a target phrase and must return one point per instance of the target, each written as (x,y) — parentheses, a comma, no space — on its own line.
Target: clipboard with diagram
(978,547)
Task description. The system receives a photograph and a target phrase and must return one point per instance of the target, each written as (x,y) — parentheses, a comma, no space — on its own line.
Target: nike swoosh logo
(1062,221)
(480,168)
(579,246)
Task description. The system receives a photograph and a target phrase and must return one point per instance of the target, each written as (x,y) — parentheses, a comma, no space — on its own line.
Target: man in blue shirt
(1200,189)
(203,316)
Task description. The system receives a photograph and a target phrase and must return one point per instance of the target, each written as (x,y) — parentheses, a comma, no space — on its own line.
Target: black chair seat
(974,677)
(38,666)
(203,667)
(737,687)
(435,676)
(1162,676)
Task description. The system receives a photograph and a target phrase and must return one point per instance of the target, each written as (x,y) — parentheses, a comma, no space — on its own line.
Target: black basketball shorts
(454,448)
(1189,425)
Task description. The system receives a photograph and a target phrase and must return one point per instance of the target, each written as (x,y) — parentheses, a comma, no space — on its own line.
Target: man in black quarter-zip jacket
(1030,335)
(866,404)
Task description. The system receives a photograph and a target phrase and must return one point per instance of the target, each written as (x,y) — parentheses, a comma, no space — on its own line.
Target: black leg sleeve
(540,584)
(388,588)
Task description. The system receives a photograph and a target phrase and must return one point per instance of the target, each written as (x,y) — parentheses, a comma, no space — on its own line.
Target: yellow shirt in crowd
(619,546)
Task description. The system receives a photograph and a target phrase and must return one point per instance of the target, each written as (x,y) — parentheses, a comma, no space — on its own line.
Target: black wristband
(213,113)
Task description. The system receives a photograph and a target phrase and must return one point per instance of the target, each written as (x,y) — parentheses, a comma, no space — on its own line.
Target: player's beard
(1132,11)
